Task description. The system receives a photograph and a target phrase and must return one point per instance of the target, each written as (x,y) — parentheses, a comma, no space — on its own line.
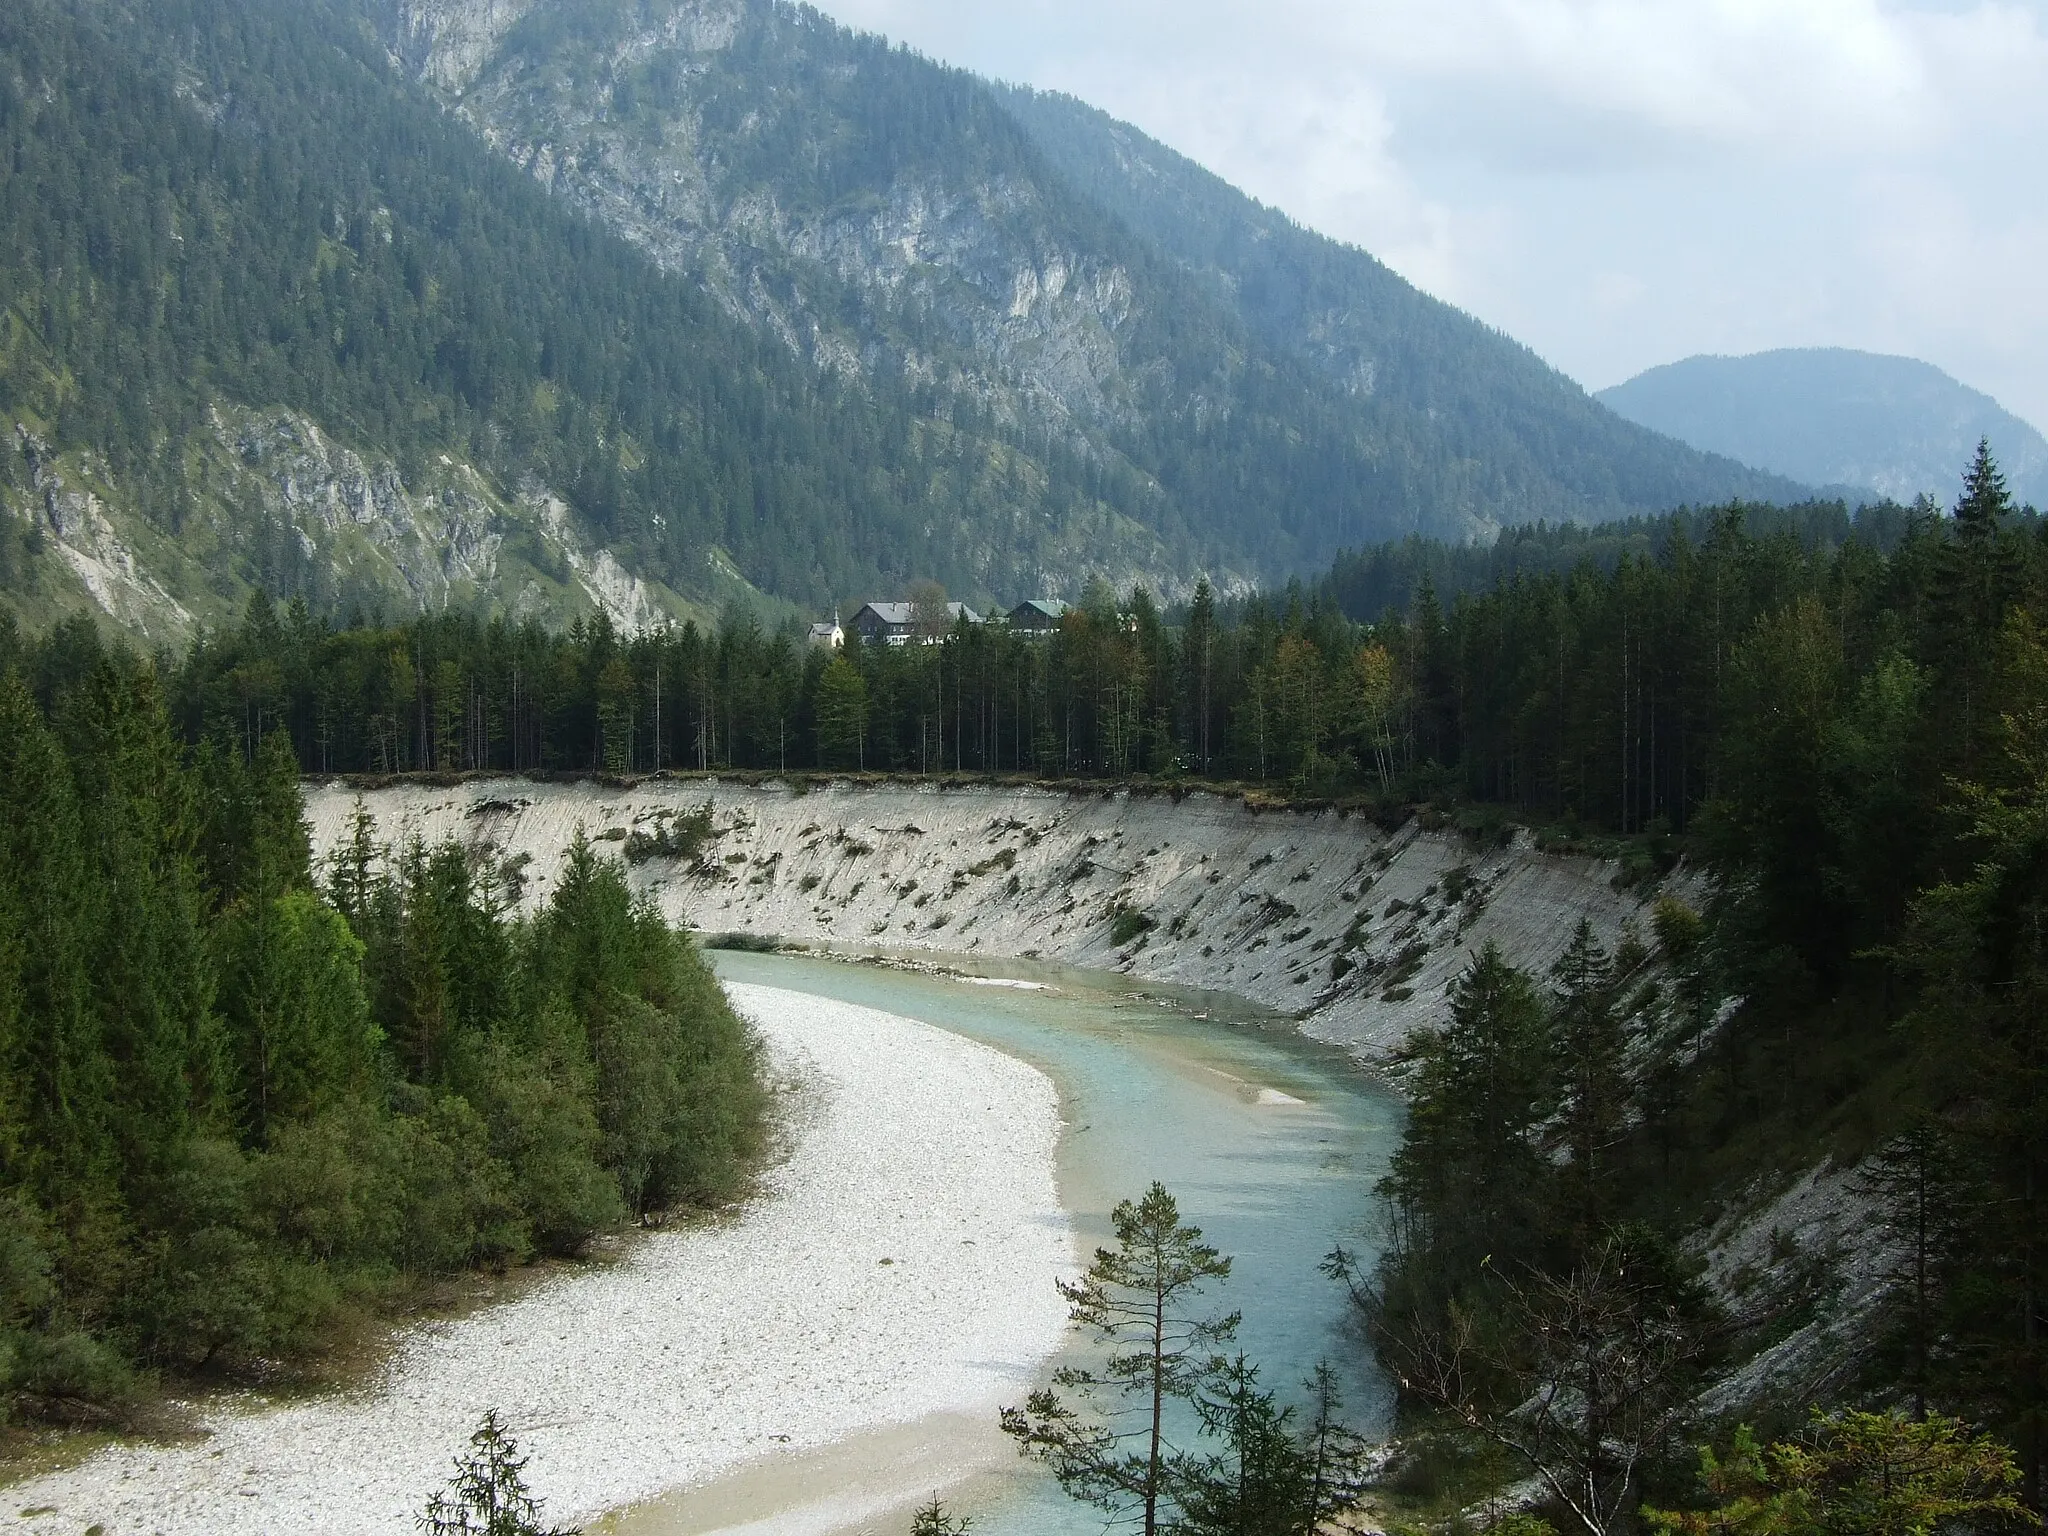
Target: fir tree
(1592,1089)
(1135,1300)
(488,1495)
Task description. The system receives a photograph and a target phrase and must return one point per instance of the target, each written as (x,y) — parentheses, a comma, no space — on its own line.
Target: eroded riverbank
(1353,929)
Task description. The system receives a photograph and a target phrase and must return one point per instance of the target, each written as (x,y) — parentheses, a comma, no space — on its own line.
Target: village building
(891,623)
(827,634)
(1037,617)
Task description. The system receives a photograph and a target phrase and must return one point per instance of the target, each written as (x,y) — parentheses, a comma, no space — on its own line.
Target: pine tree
(1135,1301)
(488,1495)
(1592,1089)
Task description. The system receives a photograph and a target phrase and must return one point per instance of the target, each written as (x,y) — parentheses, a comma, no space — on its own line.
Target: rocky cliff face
(1029,257)
(267,499)
(652,125)
(1356,931)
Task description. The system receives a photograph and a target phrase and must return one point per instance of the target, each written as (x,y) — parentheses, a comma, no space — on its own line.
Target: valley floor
(874,1281)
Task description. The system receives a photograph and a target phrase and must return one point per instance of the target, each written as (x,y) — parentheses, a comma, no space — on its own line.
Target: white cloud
(1617,182)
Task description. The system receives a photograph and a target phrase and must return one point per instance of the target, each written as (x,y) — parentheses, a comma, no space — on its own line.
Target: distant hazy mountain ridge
(1832,417)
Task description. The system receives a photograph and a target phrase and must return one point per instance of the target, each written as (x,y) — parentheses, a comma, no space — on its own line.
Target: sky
(1616,183)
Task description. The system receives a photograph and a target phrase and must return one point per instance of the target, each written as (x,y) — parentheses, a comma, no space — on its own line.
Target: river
(1271,1144)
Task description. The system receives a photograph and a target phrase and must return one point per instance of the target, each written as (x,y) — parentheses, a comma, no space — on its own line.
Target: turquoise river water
(1271,1144)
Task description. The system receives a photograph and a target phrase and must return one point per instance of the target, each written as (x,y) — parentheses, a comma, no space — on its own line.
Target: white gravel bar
(899,1264)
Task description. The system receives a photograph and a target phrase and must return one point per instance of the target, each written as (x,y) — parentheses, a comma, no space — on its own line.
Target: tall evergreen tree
(1136,1301)
(1591,1086)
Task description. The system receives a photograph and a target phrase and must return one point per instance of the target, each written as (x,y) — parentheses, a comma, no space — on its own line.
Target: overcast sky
(1618,183)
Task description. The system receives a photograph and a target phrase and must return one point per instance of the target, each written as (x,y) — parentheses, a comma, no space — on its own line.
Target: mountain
(546,307)
(887,214)
(1833,417)
(1511,439)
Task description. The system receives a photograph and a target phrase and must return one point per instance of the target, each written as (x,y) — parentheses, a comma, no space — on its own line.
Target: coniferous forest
(246,1104)
(249,1100)
(249,1105)
(1838,716)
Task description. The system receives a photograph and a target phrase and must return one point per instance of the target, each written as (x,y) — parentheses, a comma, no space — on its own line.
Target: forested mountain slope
(273,319)
(680,300)
(268,320)
(886,215)
(1830,416)
(1508,438)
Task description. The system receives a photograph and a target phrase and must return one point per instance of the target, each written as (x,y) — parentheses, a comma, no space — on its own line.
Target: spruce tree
(1469,1175)
(1334,1455)
(1921,1194)
(842,715)
(1985,500)
(934,1519)
(154,976)
(488,1495)
(67,1161)
(1592,1088)
(1198,661)
(1137,1302)
(1259,1483)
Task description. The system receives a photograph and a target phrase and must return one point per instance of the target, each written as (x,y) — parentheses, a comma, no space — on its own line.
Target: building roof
(898,614)
(1038,608)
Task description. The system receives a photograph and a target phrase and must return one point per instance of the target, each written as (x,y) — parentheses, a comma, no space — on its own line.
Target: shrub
(675,837)
(1677,926)
(1128,923)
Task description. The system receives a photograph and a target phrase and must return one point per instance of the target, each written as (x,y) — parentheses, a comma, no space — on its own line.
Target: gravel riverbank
(898,1264)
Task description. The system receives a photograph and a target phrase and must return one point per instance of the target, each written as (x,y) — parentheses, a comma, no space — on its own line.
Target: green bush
(1128,923)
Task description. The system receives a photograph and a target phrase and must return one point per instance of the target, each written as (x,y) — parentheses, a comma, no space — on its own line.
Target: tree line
(1856,744)
(244,1100)
(1593,689)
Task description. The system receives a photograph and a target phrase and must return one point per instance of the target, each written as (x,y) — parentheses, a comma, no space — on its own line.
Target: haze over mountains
(550,305)
(1891,426)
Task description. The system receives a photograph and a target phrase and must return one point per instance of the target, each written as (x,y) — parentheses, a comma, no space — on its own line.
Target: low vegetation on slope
(238,1106)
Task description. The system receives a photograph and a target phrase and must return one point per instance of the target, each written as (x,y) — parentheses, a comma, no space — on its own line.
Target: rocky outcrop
(446,41)
(80,528)
(971,282)
(1355,930)
(271,498)
(977,263)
